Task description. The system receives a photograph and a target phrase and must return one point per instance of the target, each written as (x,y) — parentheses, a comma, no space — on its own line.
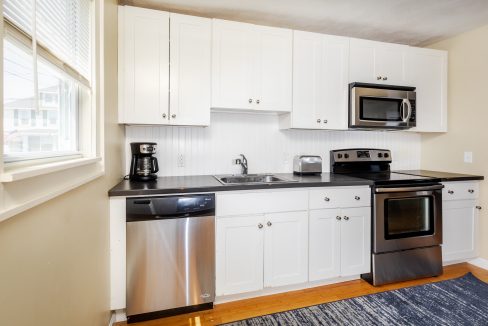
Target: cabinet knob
(378,78)
(318,120)
(478,207)
(357,198)
(327,199)
(346,218)
(173,116)
(164,115)
(260,225)
(385,78)
(325,121)
(450,192)
(338,218)
(258,101)
(250,100)
(471,191)
(269,223)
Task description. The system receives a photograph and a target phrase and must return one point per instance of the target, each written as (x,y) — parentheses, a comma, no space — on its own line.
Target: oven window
(380,109)
(409,217)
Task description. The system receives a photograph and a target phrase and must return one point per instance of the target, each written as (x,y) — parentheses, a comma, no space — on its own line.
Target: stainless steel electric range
(406,213)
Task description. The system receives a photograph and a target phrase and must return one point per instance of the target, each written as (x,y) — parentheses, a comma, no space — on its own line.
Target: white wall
(211,150)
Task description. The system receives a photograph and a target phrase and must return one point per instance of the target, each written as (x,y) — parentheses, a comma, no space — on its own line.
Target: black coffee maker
(143,166)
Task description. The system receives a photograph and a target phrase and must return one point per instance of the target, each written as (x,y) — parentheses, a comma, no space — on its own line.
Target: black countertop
(207,183)
(443,176)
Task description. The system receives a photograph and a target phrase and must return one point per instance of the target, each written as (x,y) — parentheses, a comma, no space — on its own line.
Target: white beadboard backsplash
(210,150)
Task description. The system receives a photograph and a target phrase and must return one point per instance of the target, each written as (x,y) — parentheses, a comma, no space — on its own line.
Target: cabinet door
(459,227)
(362,61)
(274,79)
(427,71)
(355,241)
(239,254)
(319,81)
(390,60)
(234,54)
(286,248)
(324,244)
(143,66)
(190,70)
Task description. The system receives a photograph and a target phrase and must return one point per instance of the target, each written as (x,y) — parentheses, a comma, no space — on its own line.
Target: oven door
(407,217)
(382,108)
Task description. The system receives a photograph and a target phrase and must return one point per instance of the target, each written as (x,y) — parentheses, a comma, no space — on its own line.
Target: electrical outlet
(468,157)
(181,161)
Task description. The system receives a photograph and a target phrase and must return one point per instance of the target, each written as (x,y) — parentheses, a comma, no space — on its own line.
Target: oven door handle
(409,189)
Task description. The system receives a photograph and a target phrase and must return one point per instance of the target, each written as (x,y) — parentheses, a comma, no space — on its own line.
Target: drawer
(244,203)
(340,197)
(460,190)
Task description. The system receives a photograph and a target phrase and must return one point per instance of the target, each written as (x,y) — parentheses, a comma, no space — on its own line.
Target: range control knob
(346,155)
(339,155)
(387,155)
(380,155)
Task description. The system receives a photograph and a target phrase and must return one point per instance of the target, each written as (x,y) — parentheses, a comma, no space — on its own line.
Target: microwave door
(378,111)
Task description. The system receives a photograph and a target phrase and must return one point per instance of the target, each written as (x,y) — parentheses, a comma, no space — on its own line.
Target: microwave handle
(406,117)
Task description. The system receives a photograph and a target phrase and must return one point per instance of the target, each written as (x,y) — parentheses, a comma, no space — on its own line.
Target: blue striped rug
(461,301)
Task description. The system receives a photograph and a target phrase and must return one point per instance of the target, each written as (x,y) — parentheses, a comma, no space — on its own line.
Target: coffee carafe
(144,165)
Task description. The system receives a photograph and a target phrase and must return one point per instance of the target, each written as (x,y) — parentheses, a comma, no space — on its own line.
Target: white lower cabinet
(339,243)
(258,251)
(460,224)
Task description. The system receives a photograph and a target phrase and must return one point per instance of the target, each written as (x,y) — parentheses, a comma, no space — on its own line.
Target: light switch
(468,157)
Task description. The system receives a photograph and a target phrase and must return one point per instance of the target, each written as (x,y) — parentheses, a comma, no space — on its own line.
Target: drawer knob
(357,198)
(318,120)
(260,226)
(338,218)
(450,192)
(250,100)
(471,191)
(327,199)
(269,223)
(378,78)
(346,218)
(478,207)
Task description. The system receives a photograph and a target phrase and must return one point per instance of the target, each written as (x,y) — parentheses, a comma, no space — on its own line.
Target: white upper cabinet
(143,65)
(377,62)
(427,71)
(147,94)
(320,82)
(252,67)
(190,70)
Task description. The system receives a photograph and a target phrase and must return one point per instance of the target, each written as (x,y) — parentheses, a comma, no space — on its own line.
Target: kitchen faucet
(243,163)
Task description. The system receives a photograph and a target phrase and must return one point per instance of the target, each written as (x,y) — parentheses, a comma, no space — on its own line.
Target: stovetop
(393,178)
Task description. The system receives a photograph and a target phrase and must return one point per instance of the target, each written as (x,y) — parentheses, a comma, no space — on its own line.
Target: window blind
(62,27)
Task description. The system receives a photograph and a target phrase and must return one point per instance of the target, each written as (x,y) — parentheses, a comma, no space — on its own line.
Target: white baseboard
(120,315)
(479,262)
(111,322)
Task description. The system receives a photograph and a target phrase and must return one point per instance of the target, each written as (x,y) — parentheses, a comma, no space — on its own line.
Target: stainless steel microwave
(381,106)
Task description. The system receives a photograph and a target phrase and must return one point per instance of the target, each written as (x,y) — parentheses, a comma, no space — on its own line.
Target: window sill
(20,173)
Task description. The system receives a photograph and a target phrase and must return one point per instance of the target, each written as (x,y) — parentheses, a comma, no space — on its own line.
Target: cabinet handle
(450,192)
(250,100)
(357,198)
(173,116)
(327,199)
(378,78)
(346,218)
(325,121)
(471,191)
(164,115)
(269,223)
(478,207)
(385,78)
(257,101)
(338,218)
(260,226)
(318,120)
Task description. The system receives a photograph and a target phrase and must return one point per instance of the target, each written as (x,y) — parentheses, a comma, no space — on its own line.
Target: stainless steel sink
(236,179)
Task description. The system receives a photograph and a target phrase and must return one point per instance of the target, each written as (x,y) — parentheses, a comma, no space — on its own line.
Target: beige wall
(468,116)
(54,258)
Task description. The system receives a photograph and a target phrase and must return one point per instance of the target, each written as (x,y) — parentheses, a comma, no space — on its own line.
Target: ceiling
(413,22)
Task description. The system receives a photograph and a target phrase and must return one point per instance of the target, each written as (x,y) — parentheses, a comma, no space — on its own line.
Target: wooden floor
(238,310)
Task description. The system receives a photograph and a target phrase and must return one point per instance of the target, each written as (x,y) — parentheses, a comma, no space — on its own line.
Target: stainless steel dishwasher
(170,255)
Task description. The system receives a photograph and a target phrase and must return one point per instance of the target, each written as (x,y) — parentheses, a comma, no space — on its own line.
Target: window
(47,70)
